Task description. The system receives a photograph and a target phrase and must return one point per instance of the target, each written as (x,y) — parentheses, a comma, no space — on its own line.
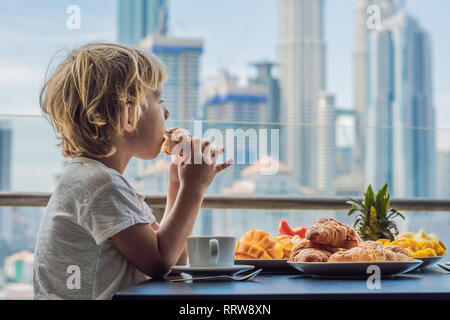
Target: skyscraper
(5,155)
(325,150)
(140,18)
(302,77)
(5,179)
(400,141)
(265,78)
(362,14)
(181,89)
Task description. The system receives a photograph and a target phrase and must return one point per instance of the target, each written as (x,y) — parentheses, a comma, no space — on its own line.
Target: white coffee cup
(211,251)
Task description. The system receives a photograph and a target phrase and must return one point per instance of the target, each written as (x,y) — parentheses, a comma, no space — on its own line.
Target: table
(431,283)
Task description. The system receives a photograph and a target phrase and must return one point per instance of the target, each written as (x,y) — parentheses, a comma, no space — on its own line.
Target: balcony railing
(20,199)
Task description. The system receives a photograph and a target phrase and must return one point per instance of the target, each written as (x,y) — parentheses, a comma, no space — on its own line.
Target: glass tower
(141,18)
(301,77)
(5,178)
(5,156)
(400,139)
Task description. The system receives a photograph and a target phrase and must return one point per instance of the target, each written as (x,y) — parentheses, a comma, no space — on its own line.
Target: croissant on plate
(308,251)
(370,251)
(400,254)
(329,232)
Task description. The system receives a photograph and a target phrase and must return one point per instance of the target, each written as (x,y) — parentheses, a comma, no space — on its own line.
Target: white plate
(354,268)
(229,270)
(428,261)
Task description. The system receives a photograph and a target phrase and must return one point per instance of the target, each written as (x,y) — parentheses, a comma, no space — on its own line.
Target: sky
(235,33)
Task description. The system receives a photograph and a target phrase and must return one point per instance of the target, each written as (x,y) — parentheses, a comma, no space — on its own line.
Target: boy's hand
(198,176)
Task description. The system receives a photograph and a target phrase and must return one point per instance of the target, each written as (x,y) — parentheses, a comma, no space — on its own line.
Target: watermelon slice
(284,228)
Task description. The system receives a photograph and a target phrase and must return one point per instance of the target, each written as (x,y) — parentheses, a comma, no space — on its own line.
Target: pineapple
(374,219)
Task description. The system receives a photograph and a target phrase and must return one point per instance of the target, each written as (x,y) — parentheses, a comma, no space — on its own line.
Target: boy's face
(146,141)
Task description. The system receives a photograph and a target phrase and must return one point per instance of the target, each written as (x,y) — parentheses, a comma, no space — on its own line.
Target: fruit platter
(330,246)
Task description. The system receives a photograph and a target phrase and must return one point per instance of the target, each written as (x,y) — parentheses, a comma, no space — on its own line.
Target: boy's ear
(126,119)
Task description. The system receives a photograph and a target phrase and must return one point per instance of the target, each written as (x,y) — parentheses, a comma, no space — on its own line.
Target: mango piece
(286,244)
(424,253)
(258,245)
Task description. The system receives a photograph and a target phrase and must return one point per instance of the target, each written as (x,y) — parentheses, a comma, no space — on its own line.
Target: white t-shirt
(74,257)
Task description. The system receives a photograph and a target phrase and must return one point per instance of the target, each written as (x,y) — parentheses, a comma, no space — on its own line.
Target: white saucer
(222,270)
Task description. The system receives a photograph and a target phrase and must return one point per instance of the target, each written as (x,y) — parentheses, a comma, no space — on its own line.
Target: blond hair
(87,94)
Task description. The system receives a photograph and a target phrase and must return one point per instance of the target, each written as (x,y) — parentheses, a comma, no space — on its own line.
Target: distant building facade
(400,138)
(5,155)
(5,181)
(302,77)
(138,19)
(181,89)
(361,75)
(264,78)
(229,106)
(19,266)
(324,144)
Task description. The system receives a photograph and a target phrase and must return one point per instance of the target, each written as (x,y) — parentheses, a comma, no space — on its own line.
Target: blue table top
(431,283)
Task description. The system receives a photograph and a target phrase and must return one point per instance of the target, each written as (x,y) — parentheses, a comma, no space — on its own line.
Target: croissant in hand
(173,139)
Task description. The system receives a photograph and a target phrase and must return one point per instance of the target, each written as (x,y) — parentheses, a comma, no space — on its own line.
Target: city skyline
(21,169)
(100,20)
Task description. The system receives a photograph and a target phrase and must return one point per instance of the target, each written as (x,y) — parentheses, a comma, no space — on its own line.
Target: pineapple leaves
(382,202)
(374,219)
(393,214)
(357,204)
(352,211)
(387,235)
(369,197)
(359,221)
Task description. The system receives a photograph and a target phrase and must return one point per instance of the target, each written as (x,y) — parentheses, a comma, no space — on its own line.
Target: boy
(98,235)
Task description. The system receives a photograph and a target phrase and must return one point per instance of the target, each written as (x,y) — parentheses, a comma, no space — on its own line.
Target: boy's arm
(174,186)
(154,252)
(172,192)
(182,260)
